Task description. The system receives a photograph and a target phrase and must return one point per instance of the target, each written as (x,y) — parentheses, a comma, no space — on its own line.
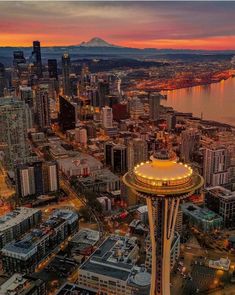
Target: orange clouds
(215,43)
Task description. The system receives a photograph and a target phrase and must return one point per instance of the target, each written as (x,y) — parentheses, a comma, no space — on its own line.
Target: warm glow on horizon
(25,40)
(176,25)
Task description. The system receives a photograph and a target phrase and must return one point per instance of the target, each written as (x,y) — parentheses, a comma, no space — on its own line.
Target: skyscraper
(154,105)
(26,95)
(137,152)
(66,70)
(2,79)
(37,58)
(108,150)
(119,158)
(107,117)
(13,131)
(190,141)
(43,107)
(67,114)
(52,68)
(103,91)
(163,183)
(136,108)
(216,166)
(34,179)
(18,58)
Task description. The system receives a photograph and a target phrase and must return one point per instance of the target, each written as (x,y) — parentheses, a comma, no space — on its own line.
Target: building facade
(17,222)
(25,254)
(14,116)
(222,201)
(37,178)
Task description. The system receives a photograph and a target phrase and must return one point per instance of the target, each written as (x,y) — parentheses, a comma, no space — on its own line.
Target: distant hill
(97,42)
(99,48)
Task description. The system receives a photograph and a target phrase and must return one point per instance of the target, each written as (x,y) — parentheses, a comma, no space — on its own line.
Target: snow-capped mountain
(97,42)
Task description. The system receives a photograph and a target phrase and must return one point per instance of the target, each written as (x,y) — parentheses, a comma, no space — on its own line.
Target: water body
(214,102)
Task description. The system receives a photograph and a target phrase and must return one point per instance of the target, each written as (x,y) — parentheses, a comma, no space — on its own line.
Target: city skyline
(189,25)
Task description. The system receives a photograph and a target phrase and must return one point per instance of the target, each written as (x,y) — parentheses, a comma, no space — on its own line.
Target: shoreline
(197,84)
(223,76)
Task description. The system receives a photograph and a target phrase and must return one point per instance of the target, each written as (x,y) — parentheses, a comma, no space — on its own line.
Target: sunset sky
(196,25)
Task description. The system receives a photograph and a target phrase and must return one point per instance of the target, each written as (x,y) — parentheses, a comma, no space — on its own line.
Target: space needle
(163,182)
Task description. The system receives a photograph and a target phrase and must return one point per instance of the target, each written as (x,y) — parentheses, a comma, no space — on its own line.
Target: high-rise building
(52,68)
(107,117)
(43,107)
(137,152)
(81,136)
(2,79)
(103,92)
(222,202)
(37,58)
(26,95)
(13,131)
(36,179)
(18,58)
(190,142)
(66,70)
(216,166)
(119,112)
(119,158)
(154,105)
(136,108)
(163,183)
(67,114)
(108,150)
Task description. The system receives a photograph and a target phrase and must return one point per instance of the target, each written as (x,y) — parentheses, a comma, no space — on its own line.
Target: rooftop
(15,217)
(78,160)
(200,213)
(115,258)
(70,289)
(27,245)
(86,236)
(18,284)
(221,192)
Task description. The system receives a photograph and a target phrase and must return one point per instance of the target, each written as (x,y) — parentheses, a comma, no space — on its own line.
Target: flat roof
(86,236)
(221,192)
(68,289)
(106,259)
(15,217)
(28,243)
(198,212)
(79,159)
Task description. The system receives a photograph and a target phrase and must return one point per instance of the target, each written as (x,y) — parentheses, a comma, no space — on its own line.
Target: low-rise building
(202,218)
(17,222)
(101,181)
(72,289)
(26,254)
(142,214)
(84,241)
(222,202)
(19,284)
(111,269)
(79,165)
